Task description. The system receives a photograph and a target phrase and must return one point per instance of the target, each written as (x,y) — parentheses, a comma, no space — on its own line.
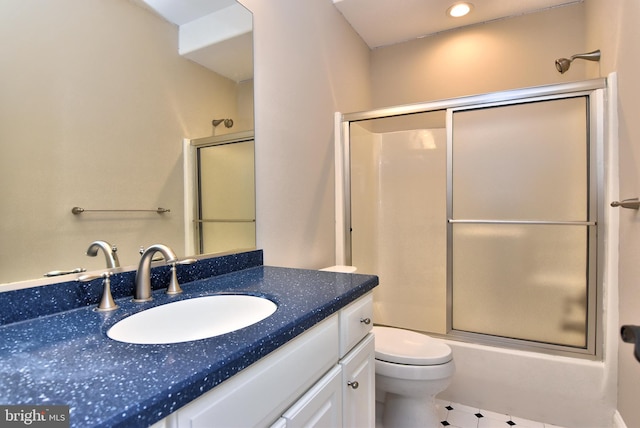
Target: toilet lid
(400,346)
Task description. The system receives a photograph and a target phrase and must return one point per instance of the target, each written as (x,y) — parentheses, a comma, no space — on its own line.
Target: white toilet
(411,369)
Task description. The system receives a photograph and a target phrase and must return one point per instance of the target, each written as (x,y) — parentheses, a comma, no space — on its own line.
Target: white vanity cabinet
(321,406)
(322,378)
(358,386)
(344,397)
(358,364)
(351,382)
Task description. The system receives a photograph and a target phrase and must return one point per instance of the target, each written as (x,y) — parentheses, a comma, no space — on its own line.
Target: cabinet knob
(366,321)
(353,384)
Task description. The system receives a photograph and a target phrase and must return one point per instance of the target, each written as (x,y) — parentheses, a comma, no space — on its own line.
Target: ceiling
(217,34)
(386,22)
(183,11)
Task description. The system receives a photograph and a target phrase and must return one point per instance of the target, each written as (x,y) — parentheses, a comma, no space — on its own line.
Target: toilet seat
(407,347)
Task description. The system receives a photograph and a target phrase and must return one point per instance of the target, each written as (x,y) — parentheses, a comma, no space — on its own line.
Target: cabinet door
(321,406)
(358,383)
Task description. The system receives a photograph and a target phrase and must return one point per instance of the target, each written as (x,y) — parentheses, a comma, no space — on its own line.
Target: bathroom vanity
(324,377)
(299,364)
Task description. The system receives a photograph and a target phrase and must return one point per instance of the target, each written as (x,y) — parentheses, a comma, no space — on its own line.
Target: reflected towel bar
(64,272)
(226,220)
(78,210)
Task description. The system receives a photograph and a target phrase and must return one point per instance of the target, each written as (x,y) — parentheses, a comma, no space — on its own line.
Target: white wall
(309,63)
(613,27)
(505,54)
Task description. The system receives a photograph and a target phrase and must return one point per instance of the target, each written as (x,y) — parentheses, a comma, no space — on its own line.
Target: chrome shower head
(228,123)
(563,64)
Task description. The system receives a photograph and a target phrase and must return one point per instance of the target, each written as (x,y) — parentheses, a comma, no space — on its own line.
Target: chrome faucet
(109,252)
(142,292)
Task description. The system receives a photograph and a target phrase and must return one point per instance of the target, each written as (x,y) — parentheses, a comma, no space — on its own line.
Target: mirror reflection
(225,215)
(93,115)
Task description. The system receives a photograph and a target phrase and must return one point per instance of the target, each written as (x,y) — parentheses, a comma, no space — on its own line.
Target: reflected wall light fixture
(458,10)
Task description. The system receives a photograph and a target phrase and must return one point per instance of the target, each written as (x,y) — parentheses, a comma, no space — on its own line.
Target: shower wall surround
(399,195)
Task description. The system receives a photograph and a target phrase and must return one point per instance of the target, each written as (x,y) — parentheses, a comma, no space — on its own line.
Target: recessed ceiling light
(459,9)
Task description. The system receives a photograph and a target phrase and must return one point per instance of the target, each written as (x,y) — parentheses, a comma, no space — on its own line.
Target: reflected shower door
(521,221)
(226,197)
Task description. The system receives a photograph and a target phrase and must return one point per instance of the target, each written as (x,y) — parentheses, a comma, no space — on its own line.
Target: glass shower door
(522,221)
(398,216)
(226,197)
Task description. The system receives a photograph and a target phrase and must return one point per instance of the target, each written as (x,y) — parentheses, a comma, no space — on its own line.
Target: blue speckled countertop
(66,358)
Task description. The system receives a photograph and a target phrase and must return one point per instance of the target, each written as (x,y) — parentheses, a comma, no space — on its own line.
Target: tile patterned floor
(455,415)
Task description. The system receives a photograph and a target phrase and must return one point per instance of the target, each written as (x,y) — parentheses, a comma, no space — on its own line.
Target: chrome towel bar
(78,210)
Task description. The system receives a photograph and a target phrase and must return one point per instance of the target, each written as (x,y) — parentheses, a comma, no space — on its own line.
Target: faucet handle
(174,286)
(106,302)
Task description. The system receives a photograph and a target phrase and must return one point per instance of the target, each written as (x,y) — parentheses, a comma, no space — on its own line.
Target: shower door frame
(594,90)
(192,192)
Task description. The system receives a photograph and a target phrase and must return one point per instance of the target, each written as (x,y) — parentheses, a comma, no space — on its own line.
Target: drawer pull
(366,321)
(353,384)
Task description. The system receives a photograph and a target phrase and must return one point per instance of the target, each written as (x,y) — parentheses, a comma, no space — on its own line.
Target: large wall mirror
(97,99)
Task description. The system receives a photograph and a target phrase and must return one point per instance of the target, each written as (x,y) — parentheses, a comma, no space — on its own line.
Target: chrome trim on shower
(544,222)
(514,94)
(593,348)
(346,150)
(594,89)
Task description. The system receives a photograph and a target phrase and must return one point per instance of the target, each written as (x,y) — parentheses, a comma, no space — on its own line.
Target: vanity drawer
(356,320)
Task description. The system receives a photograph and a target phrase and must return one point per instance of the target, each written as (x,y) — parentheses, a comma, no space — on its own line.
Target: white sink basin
(192,319)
